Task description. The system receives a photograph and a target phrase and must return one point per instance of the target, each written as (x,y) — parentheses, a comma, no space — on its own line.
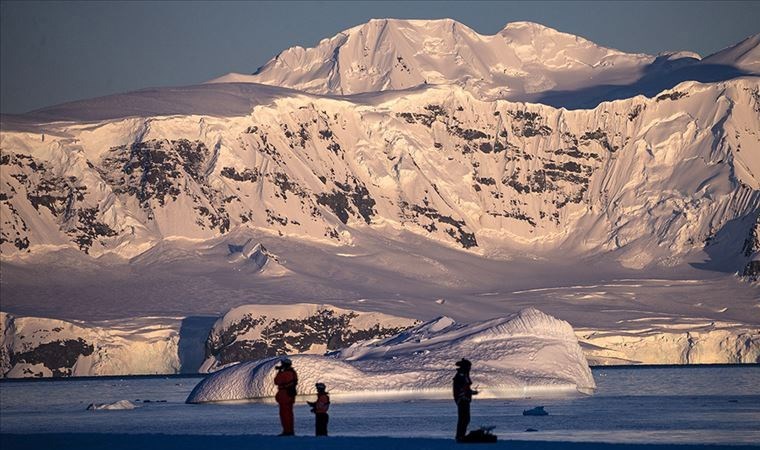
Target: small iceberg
(513,357)
(120,405)
(537,411)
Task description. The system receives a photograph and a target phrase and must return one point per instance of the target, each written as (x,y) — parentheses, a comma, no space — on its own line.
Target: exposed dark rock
(635,112)
(153,169)
(337,202)
(287,336)
(58,356)
(528,124)
(752,270)
(488,181)
(675,95)
(601,137)
(90,228)
(468,134)
(456,229)
(245,175)
(363,202)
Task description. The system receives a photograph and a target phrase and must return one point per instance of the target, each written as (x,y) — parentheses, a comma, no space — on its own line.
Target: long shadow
(727,248)
(657,77)
(193,333)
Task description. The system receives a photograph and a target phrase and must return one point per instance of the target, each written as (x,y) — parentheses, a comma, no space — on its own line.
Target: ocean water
(666,405)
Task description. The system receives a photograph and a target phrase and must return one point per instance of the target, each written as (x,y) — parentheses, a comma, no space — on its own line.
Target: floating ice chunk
(537,411)
(120,405)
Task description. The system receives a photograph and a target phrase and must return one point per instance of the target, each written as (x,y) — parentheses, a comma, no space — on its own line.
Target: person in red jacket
(286,381)
(319,408)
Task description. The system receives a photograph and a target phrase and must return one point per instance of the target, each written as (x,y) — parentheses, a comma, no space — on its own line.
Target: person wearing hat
(319,408)
(463,393)
(286,381)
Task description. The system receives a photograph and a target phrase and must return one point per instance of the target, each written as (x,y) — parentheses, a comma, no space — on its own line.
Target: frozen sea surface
(681,405)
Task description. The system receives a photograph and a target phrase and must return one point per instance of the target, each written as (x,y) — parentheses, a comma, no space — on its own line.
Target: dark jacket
(462,387)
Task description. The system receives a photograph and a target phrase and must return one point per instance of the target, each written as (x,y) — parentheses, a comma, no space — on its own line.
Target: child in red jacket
(319,408)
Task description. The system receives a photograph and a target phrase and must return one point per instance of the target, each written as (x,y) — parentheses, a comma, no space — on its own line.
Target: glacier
(526,353)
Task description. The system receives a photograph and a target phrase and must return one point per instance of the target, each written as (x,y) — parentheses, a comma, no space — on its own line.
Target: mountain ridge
(524,61)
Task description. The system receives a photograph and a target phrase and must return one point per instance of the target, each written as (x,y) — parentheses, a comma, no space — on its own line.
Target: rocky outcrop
(254,332)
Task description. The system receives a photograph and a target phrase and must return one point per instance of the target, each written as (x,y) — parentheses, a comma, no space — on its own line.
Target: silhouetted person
(463,396)
(319,408)
(286,381)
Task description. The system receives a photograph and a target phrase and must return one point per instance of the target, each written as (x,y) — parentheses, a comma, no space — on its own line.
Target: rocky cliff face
(652,179)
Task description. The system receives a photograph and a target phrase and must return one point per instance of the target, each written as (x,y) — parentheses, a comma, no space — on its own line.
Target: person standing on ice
(286,381)
(319,408)
(463,393)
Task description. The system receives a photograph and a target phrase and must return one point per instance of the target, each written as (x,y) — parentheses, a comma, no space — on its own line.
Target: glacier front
(514,356)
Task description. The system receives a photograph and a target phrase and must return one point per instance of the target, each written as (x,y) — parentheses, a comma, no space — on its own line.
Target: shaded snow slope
(221,100)
(512,356)
(525,61)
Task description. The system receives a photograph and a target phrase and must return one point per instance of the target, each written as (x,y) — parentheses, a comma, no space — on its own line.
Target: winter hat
(464,363)
(320,386)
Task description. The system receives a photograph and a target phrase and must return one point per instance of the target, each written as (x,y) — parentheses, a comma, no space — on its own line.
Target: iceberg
(523,354)
(120,405)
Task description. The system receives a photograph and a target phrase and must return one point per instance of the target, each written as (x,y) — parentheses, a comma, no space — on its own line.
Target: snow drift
(527,352)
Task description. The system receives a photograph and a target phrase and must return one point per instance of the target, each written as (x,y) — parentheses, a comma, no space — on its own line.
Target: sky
(54,52)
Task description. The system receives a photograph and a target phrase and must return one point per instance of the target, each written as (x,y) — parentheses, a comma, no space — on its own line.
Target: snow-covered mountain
(654,180)
(524,62)
(514,356)
(280,187)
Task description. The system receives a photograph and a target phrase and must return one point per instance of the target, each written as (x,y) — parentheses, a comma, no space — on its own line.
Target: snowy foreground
(527,353)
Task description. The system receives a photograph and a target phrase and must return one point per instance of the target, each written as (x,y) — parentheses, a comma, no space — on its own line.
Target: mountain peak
(533,26)
(525,61)
(393,54)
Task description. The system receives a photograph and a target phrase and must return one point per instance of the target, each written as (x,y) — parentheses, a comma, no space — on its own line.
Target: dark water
(718,405)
